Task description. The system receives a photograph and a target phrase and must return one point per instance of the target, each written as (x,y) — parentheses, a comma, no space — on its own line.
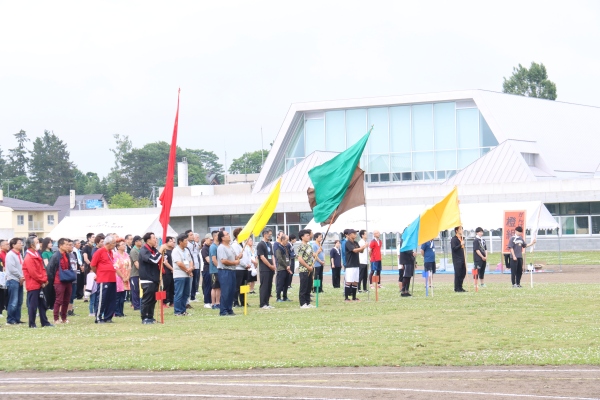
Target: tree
(209,162)
(16,169)
(532,82)
(51,170)
(2,166)
(125,200)
(248,163)
(115,180)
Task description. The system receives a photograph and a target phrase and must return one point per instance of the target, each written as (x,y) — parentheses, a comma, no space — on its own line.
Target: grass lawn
(550,324)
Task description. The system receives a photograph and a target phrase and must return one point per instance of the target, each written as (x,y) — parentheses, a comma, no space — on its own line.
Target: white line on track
(159,374)
(213,396)
(372,389)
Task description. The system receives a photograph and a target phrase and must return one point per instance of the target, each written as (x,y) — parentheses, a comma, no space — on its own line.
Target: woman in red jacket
(35,279)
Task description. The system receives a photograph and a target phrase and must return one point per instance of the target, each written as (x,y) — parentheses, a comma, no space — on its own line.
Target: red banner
(512,219)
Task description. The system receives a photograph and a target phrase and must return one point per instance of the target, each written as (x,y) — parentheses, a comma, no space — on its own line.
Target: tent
(395,218)
(77,227)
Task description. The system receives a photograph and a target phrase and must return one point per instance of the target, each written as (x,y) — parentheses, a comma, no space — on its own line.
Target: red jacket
(34,271)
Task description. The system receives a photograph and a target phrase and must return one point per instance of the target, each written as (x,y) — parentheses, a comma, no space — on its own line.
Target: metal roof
(23,205)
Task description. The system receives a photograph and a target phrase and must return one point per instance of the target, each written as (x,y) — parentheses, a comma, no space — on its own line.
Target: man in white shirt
(363,262)
(194,251)
(182,270)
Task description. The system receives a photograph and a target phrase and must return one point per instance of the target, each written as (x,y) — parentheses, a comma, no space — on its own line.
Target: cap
(208,236)
(136,238)
(349,231)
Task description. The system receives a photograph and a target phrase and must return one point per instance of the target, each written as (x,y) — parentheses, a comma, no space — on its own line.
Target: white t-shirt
(182,255)
(363,258)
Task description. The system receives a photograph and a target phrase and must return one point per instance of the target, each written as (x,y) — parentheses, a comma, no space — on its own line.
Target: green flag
(332,179)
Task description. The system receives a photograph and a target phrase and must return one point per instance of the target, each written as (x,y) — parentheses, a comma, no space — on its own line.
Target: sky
(89,70)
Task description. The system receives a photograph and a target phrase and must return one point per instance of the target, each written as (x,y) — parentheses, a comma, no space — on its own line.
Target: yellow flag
(444,215)
(261,216)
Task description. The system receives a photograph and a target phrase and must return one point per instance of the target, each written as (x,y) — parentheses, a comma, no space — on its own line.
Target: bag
(67,275)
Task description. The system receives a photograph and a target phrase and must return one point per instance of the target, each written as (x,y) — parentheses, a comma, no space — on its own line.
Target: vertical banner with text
(512,219)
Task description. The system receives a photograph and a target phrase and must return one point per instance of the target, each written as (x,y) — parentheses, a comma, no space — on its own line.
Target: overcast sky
(88,70)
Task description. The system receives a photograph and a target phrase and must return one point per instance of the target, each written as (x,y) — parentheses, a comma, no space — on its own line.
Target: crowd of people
(107,271)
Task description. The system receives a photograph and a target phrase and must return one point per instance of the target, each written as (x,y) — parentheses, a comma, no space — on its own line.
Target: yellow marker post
(245,289)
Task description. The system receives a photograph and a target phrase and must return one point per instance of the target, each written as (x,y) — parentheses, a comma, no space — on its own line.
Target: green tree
(2,166)
(116,182)
(532,82)
(209,162)
(16,170)
(249,163)
(125,200)
(51,170)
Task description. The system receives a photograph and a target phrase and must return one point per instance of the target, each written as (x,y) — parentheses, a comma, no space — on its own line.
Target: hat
(208,236)
(346,231)
(136,238)
(349,231)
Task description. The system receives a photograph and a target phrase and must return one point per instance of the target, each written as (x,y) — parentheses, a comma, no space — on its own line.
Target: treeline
(42,170)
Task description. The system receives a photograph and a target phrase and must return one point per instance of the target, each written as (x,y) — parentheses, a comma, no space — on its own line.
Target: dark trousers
(206,287)
(376,273)
(107,301)
(266,286)
(460,272)
(507,260)
(363,276)
(80,285)
(318,276)
(291,276)
(516,271)
(480,265)
(36,303)
(281,284)
(169,287)
(134,284)
(241,276)
(304,292)
(195,282)
(63,296)
(227,282)
(335,276)
(120,304)
(148,300)
(3,302)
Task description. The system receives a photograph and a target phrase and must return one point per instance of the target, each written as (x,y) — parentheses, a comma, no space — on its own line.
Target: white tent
(79,227)
(395,218)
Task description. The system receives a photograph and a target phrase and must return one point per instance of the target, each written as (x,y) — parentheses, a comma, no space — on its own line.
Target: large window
(422,127)
(380,136)
(356,126)
(20,220)
(335,140)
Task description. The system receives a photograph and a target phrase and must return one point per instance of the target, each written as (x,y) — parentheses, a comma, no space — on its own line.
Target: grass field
(554,323)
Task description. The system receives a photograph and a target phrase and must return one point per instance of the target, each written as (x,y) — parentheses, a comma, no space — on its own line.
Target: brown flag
(355,196)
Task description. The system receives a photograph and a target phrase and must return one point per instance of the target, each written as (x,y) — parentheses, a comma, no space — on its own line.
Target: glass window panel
(422,127)
(444,125)
(418,176)
(374,177)
(335,131)
(384,177)
(315,135)
(305,217)
(429,175)
(595,225)
(567,225)
(574,208)
(400,137)
(582,225)
(379,163)
(553,208)
(445,160)
(396,177)
(380,136)
(594,207)
(407,176)
(486,136)
(467,127)
(297,147)
(289,163)
(423,161)
(400,162)
(466,157)
(484,151)
(356,125)
(441,175)
(450,174)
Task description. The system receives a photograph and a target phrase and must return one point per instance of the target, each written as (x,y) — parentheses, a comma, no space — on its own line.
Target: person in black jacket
(457,244)
(149,262)
(335,257)
(480,255)
(51,269)
(407,260)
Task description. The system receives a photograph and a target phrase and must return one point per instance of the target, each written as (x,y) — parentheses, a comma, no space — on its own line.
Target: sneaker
(270,306)
(252,292)
(57,322)
(347,300)
(265,308)
(188,306)
(86,301)
(91,315)
(482,285)
(214,306)
(372,287)
(310,306)
(304,306)
(280,301)
(48,326)
(360,291)
(519,286)
(514,286)
(208,305)
(66,321)
(406,294)
(287,300)
(179,315)
(356,299)
(71,313)
(193,301)
(379,286)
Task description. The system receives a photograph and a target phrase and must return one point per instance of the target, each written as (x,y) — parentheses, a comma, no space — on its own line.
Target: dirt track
(451,383)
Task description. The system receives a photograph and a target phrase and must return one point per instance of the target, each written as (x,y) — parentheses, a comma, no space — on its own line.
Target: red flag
(166,197)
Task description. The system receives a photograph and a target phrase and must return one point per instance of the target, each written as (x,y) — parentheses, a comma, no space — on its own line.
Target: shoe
(482,285)
(57,322)
(310,306)
(304,306)
(147,322)
(408,294)
(357,299)
(347,300)
(360,291)
(66,321)
(271,307)
(213,306)
(33,326)
(265,308)
(20,322)
(372,287)
(379,286)
(280,301)
(463,291)
(289,287)
(519,286)
(86,301)
(178,315)
(193,300)
(231,314)
(188,306)
(48,326)
(287,300)
(252,292)
(71,313)
(208,305)
(91,315)
(166,306)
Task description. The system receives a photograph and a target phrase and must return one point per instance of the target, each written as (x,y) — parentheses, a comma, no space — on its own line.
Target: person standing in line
(292,252)
(343,246)
(86,253)
(228,260)
(62,289)
(182,271)
(253,271)
(336,264)
(103,265)
(134,275)
(122,270)
(480,255)
(35,279)
(168,274)
(98,243)
(353,249)
(264,251)
(214,272)
(375,250)
(194,251)
(363,260)
(241,270)
(457,244)
(407,259)
(150,275)
(75,266)
(14,281)
(428,253)
(91,288)
(306,261)
(282,260)
(128,243)
(206,284)
(3,293)
(319,255)
(80,270)
(516,244)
